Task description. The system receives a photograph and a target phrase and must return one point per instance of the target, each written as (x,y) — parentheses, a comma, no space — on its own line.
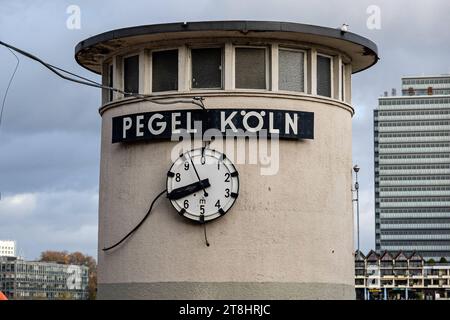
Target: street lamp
(356,169)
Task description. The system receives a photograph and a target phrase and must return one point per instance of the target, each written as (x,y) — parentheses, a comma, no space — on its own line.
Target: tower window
(291,70)
(250,68)
(131,74)
(324,76)
(165,70)
(110,81)
(207,68)
(343,82)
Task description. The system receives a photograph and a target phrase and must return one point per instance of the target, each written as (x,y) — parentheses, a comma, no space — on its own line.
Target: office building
(412,168)
(7,248)
(20,279)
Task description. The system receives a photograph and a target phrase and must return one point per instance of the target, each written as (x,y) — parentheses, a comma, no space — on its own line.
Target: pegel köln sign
(163,125)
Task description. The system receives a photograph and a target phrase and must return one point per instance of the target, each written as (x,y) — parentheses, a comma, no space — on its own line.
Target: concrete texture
(225,291)
(293,227)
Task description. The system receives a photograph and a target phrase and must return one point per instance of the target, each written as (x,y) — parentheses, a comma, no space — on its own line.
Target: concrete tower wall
(289,235)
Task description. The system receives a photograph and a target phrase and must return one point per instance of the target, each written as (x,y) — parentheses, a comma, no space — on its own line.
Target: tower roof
(90,52)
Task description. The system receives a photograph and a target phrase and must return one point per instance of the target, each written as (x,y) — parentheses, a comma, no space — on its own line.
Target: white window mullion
(229,66)
(274,67)
(183,63)
(313,71)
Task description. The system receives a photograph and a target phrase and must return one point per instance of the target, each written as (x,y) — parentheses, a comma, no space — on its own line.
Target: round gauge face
(202,184)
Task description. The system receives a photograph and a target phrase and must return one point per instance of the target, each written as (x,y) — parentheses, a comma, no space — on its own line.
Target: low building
(7,248)
(395,276)
(20,279)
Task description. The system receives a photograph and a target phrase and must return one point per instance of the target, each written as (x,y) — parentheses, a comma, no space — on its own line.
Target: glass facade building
(412,168)
(25,280)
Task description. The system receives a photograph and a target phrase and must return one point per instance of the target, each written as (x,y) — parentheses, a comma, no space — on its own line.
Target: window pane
(165,70)
(131,74)
(291,70)
(110,82)
(250,68)
(323,76)
(343,82)
(206,68)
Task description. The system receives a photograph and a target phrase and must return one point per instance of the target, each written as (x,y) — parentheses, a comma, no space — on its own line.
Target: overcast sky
(49,139)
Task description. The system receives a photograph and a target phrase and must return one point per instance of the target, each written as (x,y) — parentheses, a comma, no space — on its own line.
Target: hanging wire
(198,101)
(75,75)
(9,85)
(204,232)
(138,225)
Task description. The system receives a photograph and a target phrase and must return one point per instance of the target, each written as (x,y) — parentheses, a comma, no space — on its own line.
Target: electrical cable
(198,101)
(9,84)
(138,225)
(75,75)
(206,238)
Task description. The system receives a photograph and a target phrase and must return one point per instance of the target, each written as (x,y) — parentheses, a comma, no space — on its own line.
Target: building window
(131,74)
(250,68)
(110,81)
(291,70)
(343,82)
(323,76)
(165,70)
(207,68)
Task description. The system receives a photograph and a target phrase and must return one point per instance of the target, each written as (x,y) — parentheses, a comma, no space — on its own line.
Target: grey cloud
(48,161)
(62,220)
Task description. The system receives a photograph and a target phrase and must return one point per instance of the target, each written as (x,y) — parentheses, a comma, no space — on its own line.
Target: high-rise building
(7,248)
(412,168)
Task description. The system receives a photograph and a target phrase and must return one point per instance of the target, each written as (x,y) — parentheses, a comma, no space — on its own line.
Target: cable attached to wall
(139,224)
(198,101)
(204,231)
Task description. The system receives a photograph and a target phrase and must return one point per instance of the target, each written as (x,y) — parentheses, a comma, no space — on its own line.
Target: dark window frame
(152,52)
(222,70)
(331,74)
(124,58)
(110,81)
(305,67)
(267,63)
(343,81)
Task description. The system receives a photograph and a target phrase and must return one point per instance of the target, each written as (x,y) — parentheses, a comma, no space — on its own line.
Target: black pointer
(198,177)
(189,189)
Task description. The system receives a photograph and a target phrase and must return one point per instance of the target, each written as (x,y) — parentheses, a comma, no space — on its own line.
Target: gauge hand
(182,192)
(198,177)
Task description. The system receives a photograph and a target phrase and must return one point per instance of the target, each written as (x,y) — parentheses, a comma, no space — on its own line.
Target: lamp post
(356,169)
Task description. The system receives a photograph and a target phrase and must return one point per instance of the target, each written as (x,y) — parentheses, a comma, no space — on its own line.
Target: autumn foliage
(76,258)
